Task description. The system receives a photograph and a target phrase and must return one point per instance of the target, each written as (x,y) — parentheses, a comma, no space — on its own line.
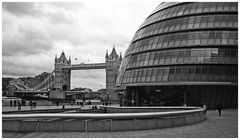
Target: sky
(34,32)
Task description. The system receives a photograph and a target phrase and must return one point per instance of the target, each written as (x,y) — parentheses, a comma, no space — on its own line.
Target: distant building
(183,53)
(113,61)
(62,76)
(5,83)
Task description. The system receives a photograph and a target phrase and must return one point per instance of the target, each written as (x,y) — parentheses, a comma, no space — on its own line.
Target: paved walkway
(225,126)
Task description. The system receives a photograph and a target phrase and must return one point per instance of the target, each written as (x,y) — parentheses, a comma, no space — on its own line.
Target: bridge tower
(113,62)
(62,76)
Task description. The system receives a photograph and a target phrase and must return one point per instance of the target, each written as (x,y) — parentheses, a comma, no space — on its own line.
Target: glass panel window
(206,7)
(212,6)
(200,7)
(181,53)
(204,70)
(165,74)
(154,74)
(149,74)
(139,73)
(144,74)
(178,70)
(191,70)
(185,70)
(198,70)
(172,70)
(220,6)
(159,76)
(193,8)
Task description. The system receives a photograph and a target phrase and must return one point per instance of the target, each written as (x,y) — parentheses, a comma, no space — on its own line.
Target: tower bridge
(84,66)
(60,78)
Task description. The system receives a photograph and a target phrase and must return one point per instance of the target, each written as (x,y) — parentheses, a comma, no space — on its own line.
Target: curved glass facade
(181,54)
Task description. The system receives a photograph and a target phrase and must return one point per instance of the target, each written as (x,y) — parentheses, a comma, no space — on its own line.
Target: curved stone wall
(104,122)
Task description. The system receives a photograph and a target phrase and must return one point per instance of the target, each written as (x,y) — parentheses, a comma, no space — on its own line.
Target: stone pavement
(225,126)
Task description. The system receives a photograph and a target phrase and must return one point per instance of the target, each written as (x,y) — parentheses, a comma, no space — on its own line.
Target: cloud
(20,8)
(26,65)
(59,18)
(24,38)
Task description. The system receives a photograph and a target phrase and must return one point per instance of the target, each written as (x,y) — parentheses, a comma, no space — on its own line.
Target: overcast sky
(32,33)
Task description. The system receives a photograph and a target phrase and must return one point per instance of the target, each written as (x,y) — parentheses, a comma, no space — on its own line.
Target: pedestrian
(219,108)
(14,103)
(19,105)
(35,104)
(31,105)
(63,107)
(23,102)
(11,103)
(105,110)
(205,109)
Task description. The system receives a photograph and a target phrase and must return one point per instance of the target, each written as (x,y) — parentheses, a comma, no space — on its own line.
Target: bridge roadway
(44,91)
(31,92)
(84,66)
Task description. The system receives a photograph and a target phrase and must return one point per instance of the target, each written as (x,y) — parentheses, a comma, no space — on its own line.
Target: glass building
(183,53)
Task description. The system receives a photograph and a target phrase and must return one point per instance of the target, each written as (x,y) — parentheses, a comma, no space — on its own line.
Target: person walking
(219,108)
(14,103)
(205,109)
(19,105)
(23,102)
(11,103)
(31,105)
(34,104)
